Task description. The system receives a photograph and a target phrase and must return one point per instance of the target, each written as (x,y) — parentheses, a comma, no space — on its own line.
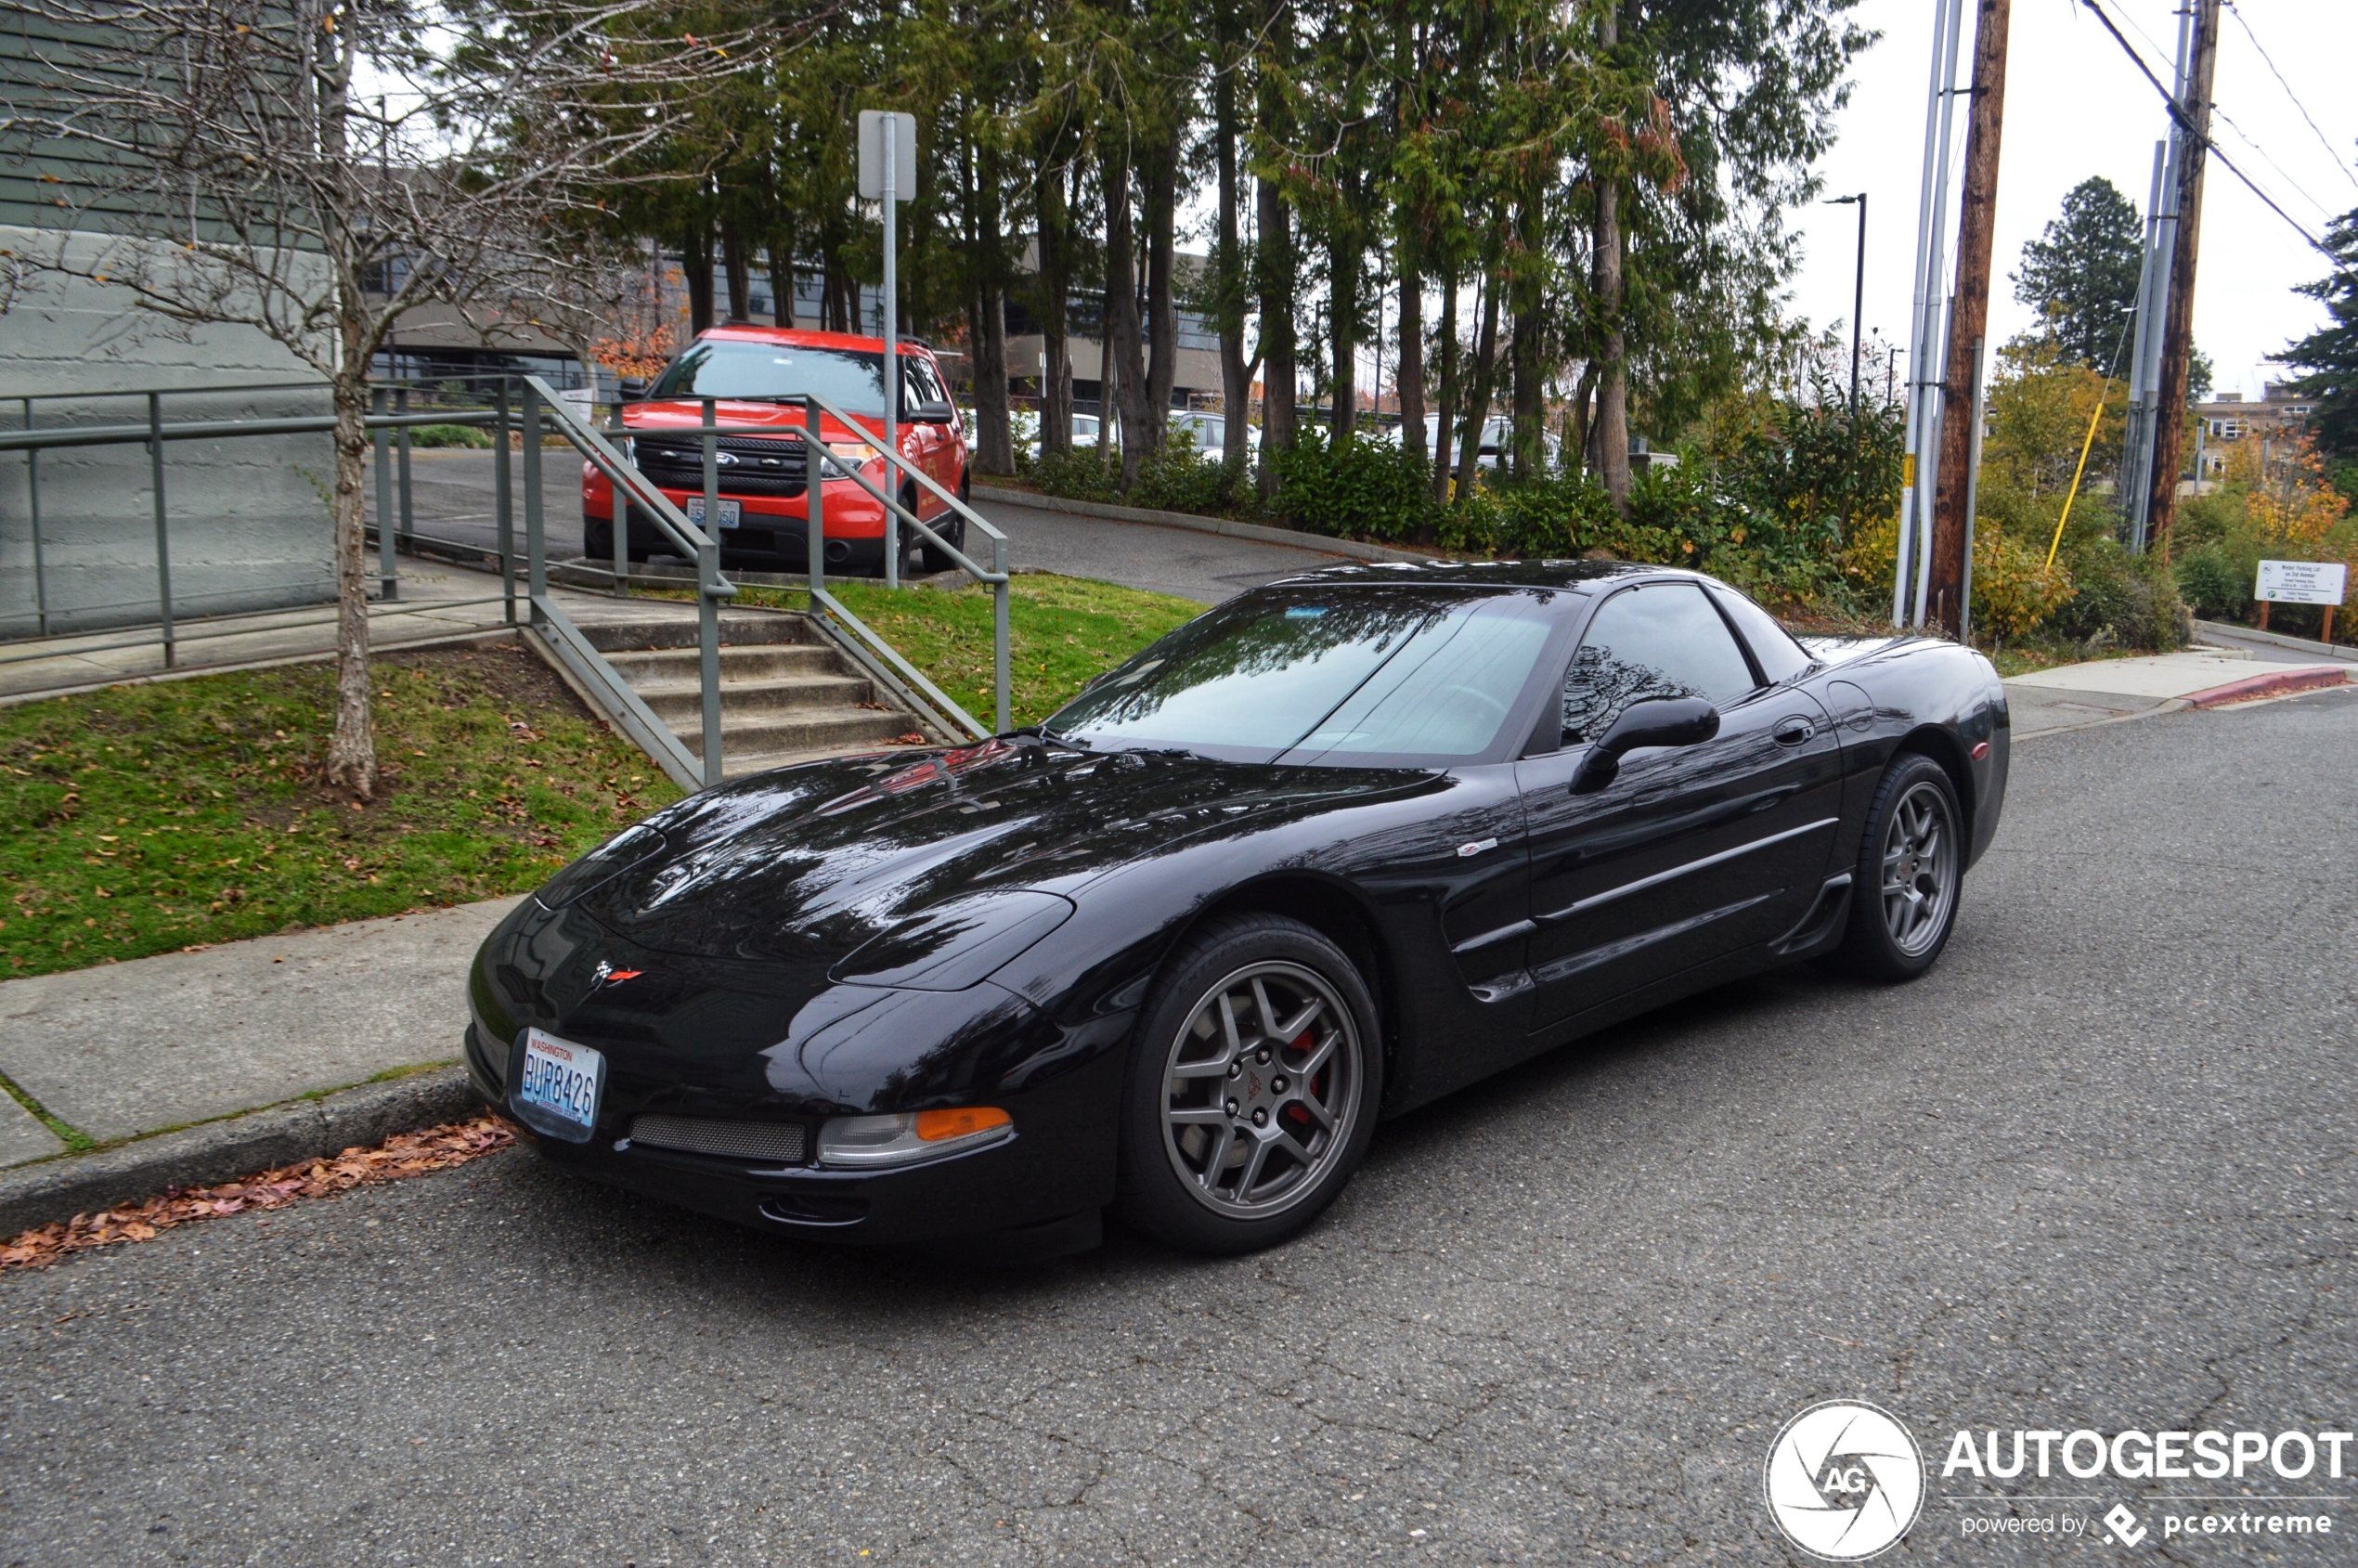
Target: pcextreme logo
(1844,1480)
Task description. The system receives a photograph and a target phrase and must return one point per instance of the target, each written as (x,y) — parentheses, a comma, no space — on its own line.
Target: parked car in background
(1207,436)
(758,376)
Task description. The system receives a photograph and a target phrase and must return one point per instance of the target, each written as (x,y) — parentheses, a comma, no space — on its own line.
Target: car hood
(811,864)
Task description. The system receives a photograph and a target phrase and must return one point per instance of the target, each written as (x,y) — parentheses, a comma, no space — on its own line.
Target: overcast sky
(2077,106)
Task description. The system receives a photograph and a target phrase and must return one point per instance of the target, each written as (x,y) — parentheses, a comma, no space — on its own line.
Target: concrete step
(682,701)
(736,765)
(822,730)
(759,662)
(632,634)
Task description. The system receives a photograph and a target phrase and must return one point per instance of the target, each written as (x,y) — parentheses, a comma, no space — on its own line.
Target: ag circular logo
(1844,1479)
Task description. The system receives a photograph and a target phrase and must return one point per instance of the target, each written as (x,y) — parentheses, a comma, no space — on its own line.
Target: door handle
(1793,730)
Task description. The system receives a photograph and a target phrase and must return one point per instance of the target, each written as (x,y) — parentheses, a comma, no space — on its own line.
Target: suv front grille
(777,1142)
(761,467)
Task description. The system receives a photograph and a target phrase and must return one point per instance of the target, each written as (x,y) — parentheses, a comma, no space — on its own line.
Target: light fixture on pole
(1858,301)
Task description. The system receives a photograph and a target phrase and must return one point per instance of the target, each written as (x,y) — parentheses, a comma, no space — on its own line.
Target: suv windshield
(1409,676)
(850,379)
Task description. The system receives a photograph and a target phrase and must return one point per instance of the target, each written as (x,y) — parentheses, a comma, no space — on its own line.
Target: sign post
(889,173)
(2301,582)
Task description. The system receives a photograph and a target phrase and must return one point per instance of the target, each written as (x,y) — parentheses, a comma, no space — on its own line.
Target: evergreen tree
(2081,274)
(2330,354)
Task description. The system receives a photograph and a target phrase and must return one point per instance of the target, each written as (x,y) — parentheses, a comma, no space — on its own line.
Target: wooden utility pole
(1968,317)
(2177,323)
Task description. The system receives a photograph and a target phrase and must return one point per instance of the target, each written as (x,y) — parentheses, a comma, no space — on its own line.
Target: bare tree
(314,169)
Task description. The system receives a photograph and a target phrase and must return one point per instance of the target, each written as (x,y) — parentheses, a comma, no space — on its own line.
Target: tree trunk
(1529,369)
(1345,258)
(1056,352)
(1227,262)
(738,268)
(1162,317)
(1582,424)
(1612,379)
(1408,376)
(1444,411)
(695,260)
(1485,370)
(351,750)
(1124,345)
(1274,256)
(782,285)
(986,336)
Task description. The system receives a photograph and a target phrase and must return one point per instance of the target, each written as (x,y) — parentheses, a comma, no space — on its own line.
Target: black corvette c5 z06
(1337,847)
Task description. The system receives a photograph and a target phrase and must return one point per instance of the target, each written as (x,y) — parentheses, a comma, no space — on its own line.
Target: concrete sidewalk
(2102,691)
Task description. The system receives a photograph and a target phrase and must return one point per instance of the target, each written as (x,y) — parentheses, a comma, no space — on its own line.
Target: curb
(1320,543)
(220,1151)
(2299,644)
(2266,685)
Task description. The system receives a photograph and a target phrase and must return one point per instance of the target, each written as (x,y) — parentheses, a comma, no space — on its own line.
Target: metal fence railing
(176,619)
(520,411)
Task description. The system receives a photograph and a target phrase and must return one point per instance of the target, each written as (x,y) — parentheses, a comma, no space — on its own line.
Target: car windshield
(1398,675)
(850,379)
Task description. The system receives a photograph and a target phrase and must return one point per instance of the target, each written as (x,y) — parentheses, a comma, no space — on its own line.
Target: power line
(2322,140)
(2246,137)
(2187,125)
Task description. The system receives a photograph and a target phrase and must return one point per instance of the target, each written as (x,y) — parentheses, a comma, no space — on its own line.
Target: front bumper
(1036,1194)
(763,541)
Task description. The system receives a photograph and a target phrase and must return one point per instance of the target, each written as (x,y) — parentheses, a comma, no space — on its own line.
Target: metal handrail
(41,440)
(711,586)
(996,574)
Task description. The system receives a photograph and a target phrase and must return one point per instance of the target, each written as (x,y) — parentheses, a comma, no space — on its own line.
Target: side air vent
(780,1142)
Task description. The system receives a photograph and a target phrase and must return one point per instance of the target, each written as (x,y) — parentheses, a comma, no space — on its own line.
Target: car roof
(1564,573)
(746,331)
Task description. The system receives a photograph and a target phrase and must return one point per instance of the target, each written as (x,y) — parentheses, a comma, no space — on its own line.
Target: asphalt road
(451,497)
(2094,1172)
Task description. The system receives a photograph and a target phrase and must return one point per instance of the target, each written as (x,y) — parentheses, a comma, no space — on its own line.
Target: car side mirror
(933,411)
(630,389)
(1654,721)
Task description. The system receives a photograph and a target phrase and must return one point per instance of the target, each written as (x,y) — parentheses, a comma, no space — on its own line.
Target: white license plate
(557,1086)
(731,512)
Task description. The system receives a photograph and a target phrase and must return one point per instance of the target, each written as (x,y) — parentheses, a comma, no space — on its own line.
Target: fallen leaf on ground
(406,1154)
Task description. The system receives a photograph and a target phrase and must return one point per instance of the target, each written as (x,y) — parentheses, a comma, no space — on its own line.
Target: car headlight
(870,1142)
(854,452)
(621,852)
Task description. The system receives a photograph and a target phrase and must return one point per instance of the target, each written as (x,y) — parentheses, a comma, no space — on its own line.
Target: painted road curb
(220,1151)
(1261,531)
(2266,686)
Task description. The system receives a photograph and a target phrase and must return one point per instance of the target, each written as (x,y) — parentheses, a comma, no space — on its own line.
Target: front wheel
(1252,1087)
(1912,866)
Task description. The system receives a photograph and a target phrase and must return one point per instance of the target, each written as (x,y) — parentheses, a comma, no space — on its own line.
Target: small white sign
(2301,582)
(872,126)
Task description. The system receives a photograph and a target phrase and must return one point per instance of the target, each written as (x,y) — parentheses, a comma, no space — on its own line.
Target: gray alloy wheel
(1910,872)
(1919,884)
(1260,1090)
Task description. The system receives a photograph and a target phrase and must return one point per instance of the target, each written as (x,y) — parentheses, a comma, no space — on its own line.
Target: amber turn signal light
(935,1125)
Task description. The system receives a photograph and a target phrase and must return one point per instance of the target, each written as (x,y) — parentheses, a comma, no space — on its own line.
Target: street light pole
(1858,300)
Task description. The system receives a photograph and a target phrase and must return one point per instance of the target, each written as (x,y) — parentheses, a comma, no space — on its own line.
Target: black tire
(1275,1120)
(1905,890)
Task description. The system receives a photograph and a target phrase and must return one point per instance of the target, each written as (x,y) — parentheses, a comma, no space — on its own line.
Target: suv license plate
(731,512)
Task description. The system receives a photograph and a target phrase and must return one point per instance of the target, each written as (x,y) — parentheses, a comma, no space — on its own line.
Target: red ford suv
(758,376)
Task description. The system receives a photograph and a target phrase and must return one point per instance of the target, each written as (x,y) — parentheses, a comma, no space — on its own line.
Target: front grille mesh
(780,1142)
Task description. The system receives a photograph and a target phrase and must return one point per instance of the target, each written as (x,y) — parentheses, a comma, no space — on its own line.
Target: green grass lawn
(1060,631)
(145,819)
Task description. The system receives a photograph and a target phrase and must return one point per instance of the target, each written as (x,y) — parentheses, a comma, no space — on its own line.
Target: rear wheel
(1252,1087)
(1910,870)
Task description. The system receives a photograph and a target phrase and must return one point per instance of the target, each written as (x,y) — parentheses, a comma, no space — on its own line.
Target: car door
(1690,853)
